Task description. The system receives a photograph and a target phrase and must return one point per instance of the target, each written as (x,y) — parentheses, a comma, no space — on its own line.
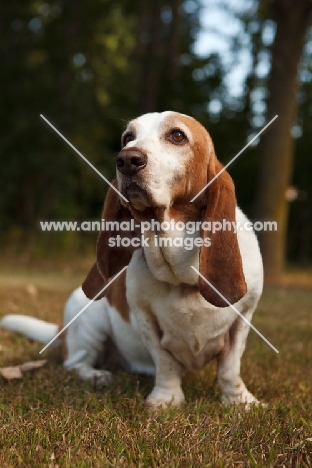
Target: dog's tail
(32,328)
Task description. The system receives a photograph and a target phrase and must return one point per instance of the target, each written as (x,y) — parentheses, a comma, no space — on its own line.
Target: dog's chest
(191,331)
(189,327)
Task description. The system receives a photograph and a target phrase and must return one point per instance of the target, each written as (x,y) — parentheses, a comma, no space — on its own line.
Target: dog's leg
(234,390)
(86,337)
(83,360)
(167,389)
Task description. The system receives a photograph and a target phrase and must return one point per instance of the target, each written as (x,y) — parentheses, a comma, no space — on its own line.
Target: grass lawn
(52,419)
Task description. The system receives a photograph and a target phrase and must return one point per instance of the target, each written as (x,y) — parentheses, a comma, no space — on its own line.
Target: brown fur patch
(221,263)
(110,260)
(116,296)
(202,155)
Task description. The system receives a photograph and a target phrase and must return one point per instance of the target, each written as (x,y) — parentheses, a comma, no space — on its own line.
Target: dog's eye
(177,137)
(127,138)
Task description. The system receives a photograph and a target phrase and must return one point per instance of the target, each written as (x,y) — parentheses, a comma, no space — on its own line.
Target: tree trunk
(174,42)
(277,149)
(152,64)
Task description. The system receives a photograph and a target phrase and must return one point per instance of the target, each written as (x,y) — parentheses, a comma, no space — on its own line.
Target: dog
(171,308)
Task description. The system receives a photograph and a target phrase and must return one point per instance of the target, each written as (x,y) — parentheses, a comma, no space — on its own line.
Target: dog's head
(167,159)
(164,159)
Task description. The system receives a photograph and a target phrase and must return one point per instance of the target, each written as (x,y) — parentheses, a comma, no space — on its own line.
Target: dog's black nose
(130,161)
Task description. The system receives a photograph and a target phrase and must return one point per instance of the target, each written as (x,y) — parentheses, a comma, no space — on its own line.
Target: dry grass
(51,418)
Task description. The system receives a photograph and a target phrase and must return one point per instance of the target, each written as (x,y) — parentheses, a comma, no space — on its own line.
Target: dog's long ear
(110,259)
(221,263)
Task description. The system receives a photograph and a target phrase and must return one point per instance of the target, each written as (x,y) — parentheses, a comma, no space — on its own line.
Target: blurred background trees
(91,66)
(292,20)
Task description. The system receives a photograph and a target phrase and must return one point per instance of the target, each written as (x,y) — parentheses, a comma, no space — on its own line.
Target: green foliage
(62,60)
(84,66)
(91,66)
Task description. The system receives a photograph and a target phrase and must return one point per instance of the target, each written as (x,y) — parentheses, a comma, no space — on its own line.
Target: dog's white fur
(170,327)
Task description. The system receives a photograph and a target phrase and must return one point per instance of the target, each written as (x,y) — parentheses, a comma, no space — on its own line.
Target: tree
(277,149)
(88,67)
(61,59)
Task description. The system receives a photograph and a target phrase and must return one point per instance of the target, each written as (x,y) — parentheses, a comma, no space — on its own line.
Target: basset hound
(170,309)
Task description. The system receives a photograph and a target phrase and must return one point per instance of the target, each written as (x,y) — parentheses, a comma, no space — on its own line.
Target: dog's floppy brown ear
(221,263)
(110,260)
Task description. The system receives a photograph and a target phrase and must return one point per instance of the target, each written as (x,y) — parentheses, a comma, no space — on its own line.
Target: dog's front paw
(163,397)
(244,398)
(101,378)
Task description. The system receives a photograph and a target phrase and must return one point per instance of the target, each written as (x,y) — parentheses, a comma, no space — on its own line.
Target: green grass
(51,418)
